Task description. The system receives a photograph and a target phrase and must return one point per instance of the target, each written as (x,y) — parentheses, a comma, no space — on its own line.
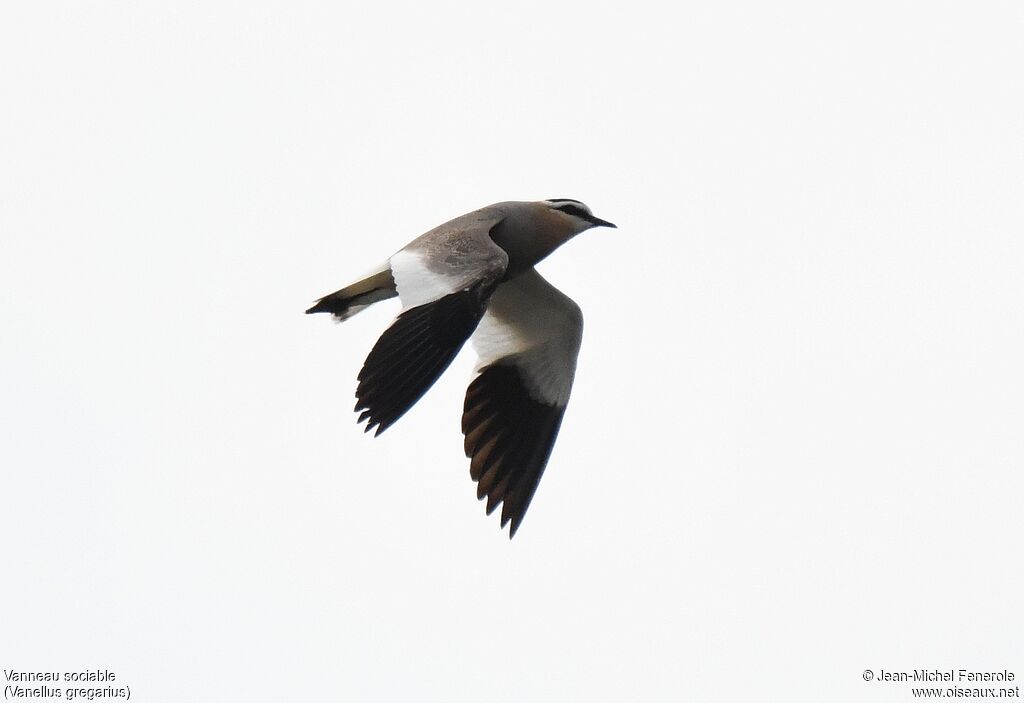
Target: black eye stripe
(577,211)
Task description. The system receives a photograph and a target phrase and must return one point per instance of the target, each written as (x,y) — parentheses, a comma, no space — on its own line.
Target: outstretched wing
(444,280)
(528,342)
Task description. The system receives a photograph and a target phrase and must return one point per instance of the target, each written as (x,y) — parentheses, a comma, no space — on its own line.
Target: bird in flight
(474,276)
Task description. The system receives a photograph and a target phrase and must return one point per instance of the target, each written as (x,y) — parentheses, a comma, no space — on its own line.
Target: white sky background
(794,449)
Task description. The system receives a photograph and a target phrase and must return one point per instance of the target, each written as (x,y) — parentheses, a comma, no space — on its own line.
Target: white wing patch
(444,262)
(531,320)
(416,283)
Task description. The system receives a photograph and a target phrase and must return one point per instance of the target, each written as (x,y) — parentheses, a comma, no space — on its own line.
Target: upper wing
(444,280)
(528,342)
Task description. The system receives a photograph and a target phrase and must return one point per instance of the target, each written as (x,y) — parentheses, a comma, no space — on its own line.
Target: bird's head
(575,214)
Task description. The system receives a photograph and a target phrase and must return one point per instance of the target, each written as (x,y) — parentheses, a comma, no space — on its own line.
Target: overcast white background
(794,449)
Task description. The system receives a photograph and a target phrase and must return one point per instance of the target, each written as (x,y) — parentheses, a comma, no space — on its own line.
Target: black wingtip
(375,426)
(412,353)
(372,423)
(509,436)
